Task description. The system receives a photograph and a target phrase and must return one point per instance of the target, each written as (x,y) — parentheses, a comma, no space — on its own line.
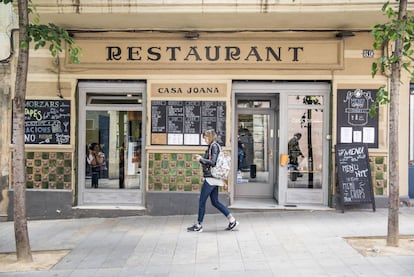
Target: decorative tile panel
(174,172)
(49,170)
(379,174)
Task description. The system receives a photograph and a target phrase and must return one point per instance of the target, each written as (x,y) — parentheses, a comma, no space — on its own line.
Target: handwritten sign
(182,122)
(354,174)
(47,122)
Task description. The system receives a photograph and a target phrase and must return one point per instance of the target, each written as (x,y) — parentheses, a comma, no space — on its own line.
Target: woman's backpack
(222,168)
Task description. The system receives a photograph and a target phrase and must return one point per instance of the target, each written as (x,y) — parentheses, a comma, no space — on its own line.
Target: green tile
(60,155)
(30,155)
(37,177)
(45,155)
(29,184)
(164,164)
(37,162)
(379,176)
(67,163)
(157,187)
(157,156)
(45,185)
(67,178)
(60,185)
(157,171)
(188,172)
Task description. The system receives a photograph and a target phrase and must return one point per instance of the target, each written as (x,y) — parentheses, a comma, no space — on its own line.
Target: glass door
(113,158)
(256,148)
(306,135)
(110,143)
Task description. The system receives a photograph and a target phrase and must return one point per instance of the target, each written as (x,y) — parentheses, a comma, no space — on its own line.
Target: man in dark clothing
(294,151)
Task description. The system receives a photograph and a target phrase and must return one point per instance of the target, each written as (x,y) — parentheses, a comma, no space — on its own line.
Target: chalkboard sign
(47,122)
(182,122)
(354,175)
(354,124)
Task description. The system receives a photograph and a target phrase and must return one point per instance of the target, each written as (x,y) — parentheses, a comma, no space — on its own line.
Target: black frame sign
(354,124)
(182,122)
(353,175)
(47,122)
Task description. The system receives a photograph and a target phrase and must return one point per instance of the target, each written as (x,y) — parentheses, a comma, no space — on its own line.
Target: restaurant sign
(169,54)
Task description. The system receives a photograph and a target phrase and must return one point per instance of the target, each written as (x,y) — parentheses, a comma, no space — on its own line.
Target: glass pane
(305,148)
(113,158)
(257,104)
(305,99)
(253,161)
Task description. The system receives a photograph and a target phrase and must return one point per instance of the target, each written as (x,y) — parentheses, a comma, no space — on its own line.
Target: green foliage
(389,33)
(50,35)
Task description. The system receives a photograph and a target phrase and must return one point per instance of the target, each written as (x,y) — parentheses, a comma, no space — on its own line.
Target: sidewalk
(274,243)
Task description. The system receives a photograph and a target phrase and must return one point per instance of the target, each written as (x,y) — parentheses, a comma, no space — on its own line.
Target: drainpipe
(7,60)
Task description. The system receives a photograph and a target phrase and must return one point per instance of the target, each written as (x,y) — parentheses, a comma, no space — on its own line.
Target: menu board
(354,175)
(182,122)
(354,124)
(47,122)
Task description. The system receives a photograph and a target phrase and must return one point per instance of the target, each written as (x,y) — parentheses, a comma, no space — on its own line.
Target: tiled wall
(379,175)
(173,172)
(49,170)
(166,172)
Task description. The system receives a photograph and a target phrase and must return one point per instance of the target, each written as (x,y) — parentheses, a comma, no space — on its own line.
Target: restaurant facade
(153,76)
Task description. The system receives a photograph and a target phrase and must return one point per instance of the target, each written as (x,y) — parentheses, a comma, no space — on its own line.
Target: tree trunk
(19,163)
(394,189)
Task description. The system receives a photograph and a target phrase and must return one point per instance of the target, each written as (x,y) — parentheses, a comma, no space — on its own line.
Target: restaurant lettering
(207,53)
(191,90)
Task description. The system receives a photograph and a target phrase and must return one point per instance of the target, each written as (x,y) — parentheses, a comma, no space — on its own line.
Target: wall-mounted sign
(166,52)
(354,124)
(368,53)
(47,122)
(192,90)
(182,122)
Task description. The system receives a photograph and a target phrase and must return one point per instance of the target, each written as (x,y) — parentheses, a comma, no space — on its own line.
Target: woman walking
(210,185)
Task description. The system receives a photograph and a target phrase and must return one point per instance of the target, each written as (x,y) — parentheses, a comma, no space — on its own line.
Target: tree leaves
(49,35)
(386,34)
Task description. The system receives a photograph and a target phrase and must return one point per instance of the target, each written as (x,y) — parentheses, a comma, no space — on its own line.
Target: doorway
(276,121)
(110,161)
(257,118)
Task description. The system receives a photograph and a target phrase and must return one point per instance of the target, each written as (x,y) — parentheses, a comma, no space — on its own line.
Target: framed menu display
(182,122)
